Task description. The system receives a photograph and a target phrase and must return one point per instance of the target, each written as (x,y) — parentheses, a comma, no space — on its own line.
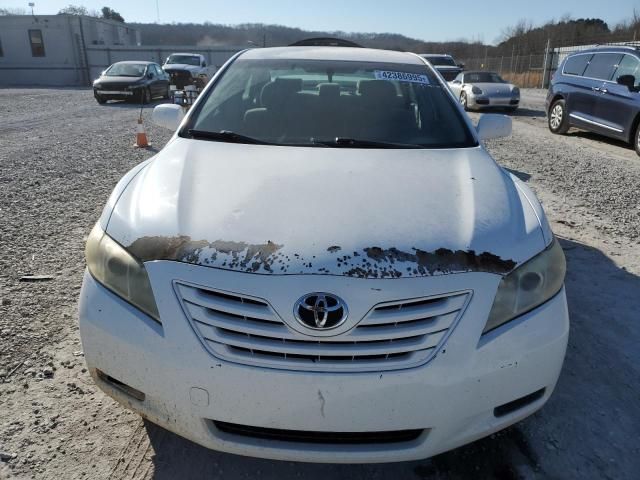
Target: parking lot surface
(61,155)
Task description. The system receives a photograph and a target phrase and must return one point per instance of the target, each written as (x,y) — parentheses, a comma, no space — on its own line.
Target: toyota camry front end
(324,264)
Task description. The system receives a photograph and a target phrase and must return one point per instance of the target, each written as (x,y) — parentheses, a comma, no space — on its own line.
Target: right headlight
(476,90)
(116,269)
(528,286)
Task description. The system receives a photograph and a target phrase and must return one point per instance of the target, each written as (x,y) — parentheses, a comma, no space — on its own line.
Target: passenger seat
(268,121)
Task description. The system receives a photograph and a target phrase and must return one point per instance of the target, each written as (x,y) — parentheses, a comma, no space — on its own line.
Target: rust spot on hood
(239,255)
(269,257)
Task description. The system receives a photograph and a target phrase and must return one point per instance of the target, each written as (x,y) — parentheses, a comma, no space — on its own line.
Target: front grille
(391,336)
(118,87)
(179,78)
(331,438)
(448,75)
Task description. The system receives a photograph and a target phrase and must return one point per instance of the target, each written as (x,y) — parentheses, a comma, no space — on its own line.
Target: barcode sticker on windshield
(401,76)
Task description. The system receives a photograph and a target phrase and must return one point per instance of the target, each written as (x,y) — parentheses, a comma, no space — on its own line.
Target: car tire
(636,140)
(167,93)
(100,100)
(464,102)
(145,96)
(557,119)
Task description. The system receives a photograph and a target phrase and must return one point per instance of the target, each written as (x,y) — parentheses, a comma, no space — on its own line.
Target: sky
(430,20)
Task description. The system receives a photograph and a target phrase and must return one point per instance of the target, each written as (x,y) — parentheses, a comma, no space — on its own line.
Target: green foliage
(110,14)
(74,10)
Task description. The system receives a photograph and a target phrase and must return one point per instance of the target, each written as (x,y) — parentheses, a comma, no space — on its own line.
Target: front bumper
(113,93)
(452,397)
(485,101)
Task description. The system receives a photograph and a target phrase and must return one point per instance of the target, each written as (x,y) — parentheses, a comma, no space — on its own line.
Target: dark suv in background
(598,90)
(445,64)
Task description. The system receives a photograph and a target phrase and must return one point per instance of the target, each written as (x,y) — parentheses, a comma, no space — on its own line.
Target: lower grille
(391,336)
(180,78)
(332,438)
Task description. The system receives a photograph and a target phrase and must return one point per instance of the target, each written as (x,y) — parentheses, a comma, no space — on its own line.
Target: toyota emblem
(320,311)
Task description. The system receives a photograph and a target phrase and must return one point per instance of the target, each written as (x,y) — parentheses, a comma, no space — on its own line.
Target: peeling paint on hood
(368,213)
(371,262)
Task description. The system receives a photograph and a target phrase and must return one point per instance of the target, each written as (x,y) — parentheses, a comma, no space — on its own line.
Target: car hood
(180,66)
(107,80)
(494,87)
(371,213)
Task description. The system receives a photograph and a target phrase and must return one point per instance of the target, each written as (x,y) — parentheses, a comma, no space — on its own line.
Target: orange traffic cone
(141,136)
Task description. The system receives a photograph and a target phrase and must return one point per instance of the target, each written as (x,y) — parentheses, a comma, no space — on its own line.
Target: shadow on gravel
(501,456)
(599,138)
(521,175)
(527,112)
(597,392)
(132,105)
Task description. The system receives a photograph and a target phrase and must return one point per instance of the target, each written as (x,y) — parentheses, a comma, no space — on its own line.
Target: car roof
(479,71)
(435,55)
(136,62)
(609,49)
(352,54)
(186,53)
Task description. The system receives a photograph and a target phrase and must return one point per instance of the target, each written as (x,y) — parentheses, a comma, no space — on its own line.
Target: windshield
(330,103)
(441,61)
(183,59)
(126,70)
(483,77)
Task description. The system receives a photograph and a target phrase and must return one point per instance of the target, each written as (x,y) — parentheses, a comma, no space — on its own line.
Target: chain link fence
(533,70)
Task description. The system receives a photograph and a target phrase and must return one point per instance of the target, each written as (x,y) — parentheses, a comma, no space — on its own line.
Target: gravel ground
(60,156)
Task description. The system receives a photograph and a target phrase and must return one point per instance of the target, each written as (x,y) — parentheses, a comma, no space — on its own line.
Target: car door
(579,92)
(600,71)
(161,80)
(617,105)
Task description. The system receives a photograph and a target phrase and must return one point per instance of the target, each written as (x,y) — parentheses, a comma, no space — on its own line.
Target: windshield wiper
(343,142)
(225,136)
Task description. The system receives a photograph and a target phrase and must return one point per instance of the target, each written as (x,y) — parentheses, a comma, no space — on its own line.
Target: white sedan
(481,90)
(325,264)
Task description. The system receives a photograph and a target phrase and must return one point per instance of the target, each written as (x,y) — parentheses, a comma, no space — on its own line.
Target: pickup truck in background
(187,69)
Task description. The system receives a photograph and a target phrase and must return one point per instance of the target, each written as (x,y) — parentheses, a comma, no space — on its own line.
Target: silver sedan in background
(477,90)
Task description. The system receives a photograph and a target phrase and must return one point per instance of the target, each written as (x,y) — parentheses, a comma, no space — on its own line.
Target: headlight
(476,90)
(115,268)
(528,286)
(515,91)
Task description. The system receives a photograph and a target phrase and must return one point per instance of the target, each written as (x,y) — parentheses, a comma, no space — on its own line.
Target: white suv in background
(325,264)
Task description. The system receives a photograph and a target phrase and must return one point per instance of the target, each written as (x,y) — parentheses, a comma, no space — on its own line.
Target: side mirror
(628,81)
(461,65)
(204,64)
(168,116)
(492,126)
(150,75)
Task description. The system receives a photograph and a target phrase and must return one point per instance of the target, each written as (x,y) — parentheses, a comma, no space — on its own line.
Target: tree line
(521,38)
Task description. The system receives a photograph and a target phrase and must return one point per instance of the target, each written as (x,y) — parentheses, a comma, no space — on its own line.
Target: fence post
(545,66)
(501,59)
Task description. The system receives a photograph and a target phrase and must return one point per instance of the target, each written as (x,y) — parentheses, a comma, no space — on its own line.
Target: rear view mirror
(168,116)
(493,126)
(628,81)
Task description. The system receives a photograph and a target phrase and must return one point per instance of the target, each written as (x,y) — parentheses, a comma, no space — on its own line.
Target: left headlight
(528,286)
(116,269)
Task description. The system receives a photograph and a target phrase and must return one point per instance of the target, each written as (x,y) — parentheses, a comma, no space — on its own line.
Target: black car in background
(132,80)
(598,90)
(445,64)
